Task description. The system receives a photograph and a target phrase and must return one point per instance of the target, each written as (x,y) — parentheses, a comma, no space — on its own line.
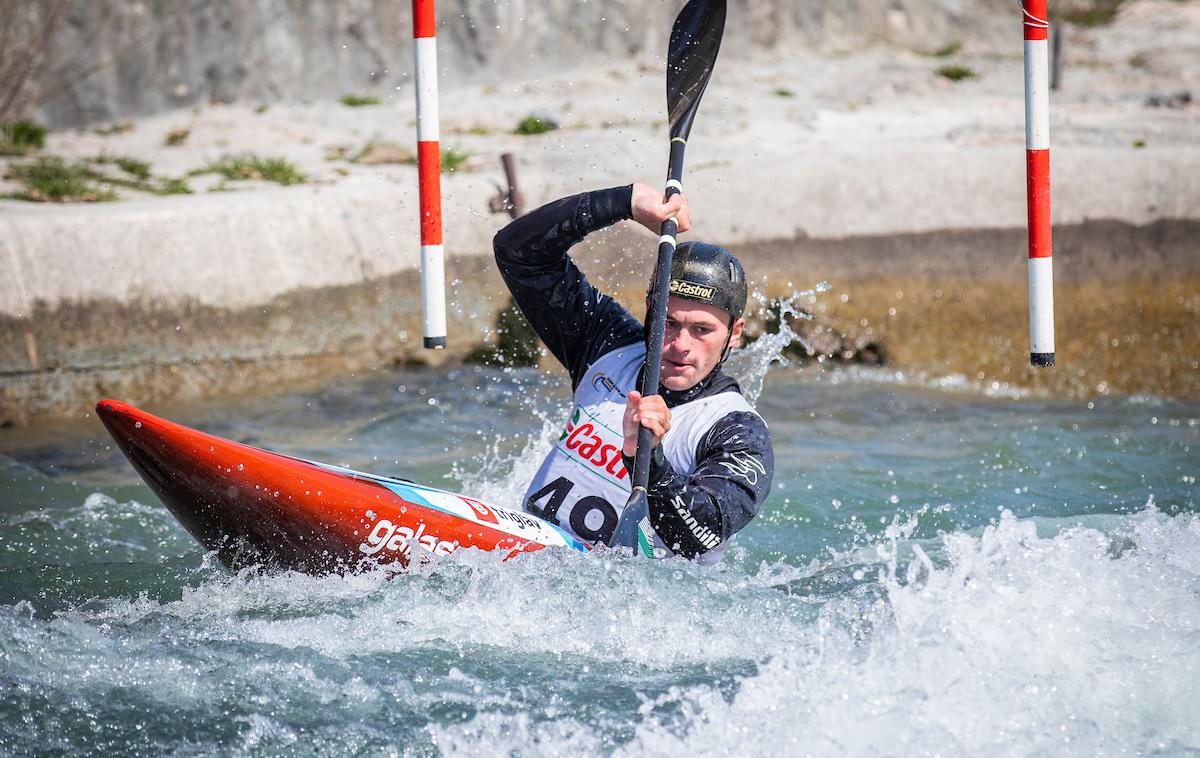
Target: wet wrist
(608,206)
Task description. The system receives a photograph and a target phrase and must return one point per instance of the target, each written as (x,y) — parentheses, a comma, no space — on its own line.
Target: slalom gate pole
(429,170)
(1037,179)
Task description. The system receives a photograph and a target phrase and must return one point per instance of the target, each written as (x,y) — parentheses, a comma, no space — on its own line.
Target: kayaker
(712,463)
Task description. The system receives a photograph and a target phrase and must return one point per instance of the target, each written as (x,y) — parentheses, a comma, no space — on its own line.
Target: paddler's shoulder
(617,369)
(724,395)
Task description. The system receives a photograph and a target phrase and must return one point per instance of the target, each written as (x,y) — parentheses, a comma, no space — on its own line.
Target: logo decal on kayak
(387,536)
(481,510)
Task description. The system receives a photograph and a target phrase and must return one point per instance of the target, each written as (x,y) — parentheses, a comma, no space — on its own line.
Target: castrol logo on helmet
(688,289)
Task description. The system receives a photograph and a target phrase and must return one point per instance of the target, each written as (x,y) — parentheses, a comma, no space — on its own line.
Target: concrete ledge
(229,250)
(234,250)
(58,361)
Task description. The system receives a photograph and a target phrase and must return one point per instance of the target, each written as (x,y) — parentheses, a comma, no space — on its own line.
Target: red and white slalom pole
(429,169)
(1037,176)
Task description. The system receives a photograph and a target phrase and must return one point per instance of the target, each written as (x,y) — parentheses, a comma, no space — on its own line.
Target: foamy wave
(101,529)
(534,604)
(1082,643)
(1020,645)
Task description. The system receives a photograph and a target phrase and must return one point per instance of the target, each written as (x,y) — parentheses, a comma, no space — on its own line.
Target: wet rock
(1180,99)
(821,340)
(515,345)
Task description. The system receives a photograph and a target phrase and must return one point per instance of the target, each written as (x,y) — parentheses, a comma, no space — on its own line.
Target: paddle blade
(637,508)
(695,40)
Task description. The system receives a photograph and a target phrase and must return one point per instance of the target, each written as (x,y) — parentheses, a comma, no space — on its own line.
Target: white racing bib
(583,484)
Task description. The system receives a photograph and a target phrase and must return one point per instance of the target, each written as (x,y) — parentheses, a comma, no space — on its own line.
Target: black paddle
(695,40)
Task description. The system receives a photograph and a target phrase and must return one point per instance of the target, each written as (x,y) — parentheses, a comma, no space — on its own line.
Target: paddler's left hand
(650,412)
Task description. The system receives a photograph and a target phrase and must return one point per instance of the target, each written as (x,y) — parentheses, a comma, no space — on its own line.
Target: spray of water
(500,473)
(1038,635)
(751,364)
(1015,643)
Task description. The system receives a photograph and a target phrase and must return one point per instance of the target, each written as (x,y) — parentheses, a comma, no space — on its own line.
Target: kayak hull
(255,507)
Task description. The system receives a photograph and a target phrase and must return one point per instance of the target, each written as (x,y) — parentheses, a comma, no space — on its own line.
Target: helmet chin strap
(728,338)
(725,350)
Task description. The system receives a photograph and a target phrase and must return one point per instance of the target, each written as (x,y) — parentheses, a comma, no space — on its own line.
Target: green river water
(942,569)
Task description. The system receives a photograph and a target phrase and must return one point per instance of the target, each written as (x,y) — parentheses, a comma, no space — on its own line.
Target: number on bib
(556,491)
(592,518)
(587,506)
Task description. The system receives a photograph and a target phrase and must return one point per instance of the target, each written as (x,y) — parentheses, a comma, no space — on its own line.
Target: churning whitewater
(941,569)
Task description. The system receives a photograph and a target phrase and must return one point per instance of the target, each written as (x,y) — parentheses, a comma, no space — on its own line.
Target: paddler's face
(694,341)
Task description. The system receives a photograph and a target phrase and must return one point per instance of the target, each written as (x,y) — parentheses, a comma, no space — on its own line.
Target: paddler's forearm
(575,321)
(542,237)
(693,514)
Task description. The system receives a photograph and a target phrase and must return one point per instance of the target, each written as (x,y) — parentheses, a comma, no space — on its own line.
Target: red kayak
(253,506)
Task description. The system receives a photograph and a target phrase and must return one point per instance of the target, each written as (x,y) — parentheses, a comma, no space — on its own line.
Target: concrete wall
(155,55)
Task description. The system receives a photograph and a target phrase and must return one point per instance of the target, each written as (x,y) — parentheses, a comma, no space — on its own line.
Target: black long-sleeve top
(579,324)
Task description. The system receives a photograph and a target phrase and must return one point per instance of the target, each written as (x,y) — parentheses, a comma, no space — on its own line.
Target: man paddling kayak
(712,462)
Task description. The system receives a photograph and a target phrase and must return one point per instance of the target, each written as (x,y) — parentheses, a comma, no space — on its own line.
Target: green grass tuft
(358,101)
(376,153)
(136,175)
(453,159)
(174,187)
(783,92)
(945,51)
(956,73)
(1099,13)
(134,167)
(53,180)
(251,166)
(534,125)
(21,137)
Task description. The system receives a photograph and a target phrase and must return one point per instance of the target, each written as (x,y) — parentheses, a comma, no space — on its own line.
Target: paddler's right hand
(650,211)
(651,412)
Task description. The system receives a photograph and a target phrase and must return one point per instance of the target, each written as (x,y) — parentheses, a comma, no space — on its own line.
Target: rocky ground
(822,154)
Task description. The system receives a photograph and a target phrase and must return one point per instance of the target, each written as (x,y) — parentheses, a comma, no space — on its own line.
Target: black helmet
(709,274)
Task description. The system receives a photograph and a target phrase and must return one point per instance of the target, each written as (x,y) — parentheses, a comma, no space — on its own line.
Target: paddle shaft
(695,40)
(656,321)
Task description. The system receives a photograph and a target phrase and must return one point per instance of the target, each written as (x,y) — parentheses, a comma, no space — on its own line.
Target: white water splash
(1079,643)
(751,364)
(500,474)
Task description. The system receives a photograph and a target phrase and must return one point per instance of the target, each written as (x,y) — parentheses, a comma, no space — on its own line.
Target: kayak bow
(253,506)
